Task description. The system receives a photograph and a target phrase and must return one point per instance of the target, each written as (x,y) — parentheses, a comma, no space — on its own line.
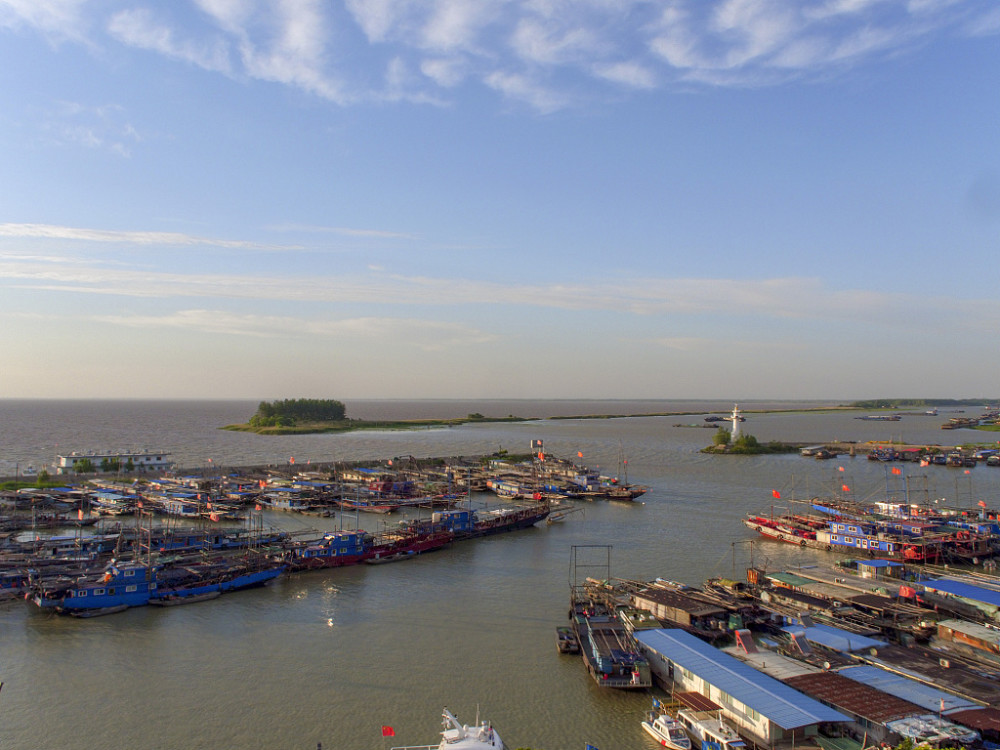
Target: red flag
(845,488)
(79,514)
(579,454)
(210,460)
(541,456)
(982,503)
(263,484)
(840,468)
(966,471)
(626,462)
(257,507)
(291,460)
(776,494)
(896,470)
(213,516)
(388,731)
(925,463)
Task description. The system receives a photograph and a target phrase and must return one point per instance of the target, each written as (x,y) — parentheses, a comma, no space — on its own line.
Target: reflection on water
(330,656)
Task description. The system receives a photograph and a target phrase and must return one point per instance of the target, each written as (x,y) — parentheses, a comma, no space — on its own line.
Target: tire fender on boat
(802,543)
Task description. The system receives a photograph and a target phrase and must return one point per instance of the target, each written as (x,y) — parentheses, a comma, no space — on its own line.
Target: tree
(84,466)
(721,438)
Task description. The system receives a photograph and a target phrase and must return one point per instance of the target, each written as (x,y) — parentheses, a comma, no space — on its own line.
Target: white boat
(458,736)
(709,731)
(666,730)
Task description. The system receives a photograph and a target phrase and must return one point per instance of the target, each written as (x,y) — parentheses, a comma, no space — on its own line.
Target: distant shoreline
(352,425)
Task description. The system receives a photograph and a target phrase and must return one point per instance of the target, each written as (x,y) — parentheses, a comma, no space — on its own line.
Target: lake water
(331,656)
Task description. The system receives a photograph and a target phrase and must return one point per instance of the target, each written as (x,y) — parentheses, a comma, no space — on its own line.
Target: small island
(745,445)
(303,416)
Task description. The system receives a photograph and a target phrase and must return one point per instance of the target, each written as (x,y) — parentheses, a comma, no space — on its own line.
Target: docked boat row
(90,572)
(128,482)
(137,583)
(894,530)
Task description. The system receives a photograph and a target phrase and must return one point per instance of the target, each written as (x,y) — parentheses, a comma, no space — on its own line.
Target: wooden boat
(172,600)
(380,558)
(98,612)
(566,641)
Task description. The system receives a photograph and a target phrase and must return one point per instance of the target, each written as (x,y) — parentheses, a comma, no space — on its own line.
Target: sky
(712,199)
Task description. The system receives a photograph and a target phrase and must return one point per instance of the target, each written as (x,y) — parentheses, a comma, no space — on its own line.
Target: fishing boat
(458,736)
(121,585)
(666,730)
(333,550)
(607,648)
(709,731)
(204,581)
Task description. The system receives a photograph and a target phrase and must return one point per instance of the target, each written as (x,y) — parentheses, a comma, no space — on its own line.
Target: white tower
(736,419)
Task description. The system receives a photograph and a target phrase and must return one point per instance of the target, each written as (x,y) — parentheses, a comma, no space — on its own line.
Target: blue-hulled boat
(121,585)
(135,584)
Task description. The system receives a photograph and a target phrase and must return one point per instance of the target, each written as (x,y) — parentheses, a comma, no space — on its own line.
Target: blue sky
(499,198)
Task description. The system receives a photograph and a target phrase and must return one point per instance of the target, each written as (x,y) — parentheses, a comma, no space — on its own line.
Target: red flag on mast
(388,732)
(776,494)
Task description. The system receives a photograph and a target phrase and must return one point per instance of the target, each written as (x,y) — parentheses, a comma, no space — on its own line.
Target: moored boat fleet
(118,564)
(894,530)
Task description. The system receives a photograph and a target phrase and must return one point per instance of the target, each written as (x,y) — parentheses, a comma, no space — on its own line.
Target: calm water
(331,656)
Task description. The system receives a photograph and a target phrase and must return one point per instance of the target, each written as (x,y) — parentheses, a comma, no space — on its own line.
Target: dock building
(766,710)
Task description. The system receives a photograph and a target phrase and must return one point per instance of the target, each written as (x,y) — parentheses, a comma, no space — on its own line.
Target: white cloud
(59,19)
(426,335)
(535,51)
(631,74)
(50,231)
(791,299)
(137,27)
(446,72)
(525,89)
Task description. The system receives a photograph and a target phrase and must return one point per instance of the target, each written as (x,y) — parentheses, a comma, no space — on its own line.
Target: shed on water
(763,708)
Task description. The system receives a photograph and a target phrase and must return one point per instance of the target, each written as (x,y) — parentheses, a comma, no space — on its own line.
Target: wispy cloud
(538,52)
(174,239)
(345,231)
(791,299)
(58,19)
(426,335)
(104,127)
(138,27)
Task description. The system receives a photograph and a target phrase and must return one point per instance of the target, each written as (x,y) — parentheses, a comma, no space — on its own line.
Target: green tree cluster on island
(290,412)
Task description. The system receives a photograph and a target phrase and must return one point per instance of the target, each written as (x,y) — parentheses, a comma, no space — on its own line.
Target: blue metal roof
(879,563)
(965,590)
(925,696)
(835,638)
(785,706)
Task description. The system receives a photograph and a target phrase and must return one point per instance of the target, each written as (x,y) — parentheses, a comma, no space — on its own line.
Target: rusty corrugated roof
(854,697)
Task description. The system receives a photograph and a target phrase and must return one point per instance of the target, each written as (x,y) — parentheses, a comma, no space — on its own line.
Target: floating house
(760,707)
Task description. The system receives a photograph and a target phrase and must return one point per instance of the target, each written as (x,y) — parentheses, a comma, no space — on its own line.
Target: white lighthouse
(735,418)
